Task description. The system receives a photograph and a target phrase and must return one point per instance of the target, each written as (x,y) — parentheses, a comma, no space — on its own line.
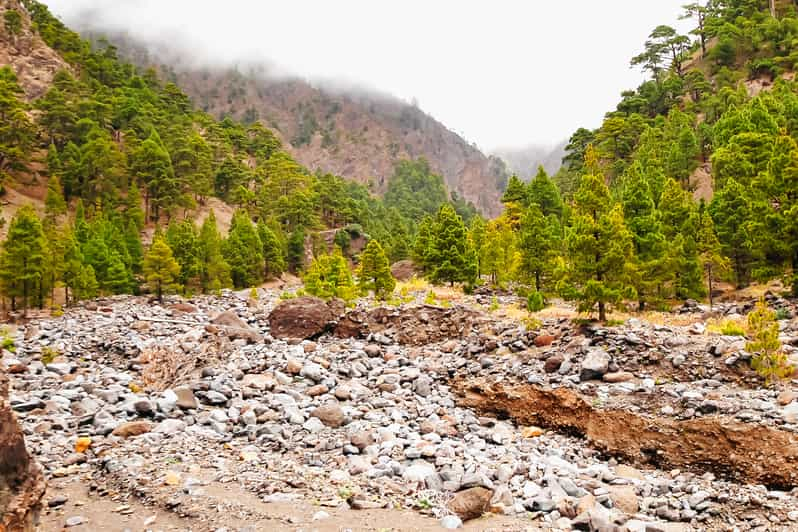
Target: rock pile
(373,419)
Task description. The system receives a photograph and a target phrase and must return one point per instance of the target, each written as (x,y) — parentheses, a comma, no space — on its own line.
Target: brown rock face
(304,317)
(471,503)
(403,270)
(22,485)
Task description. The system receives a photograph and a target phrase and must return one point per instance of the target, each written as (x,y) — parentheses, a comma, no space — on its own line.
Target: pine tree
(81,225)
(296,250)
(273,260)
(709,249)
(499,254)
(422,243)
(650,244)
(133,244)
(515,192)
(151,165)
(544,192)
(601,250)
(17,132)
(54,203)
(243,251)
(769,359)
(476,233)
(160,268)
(730,211)
(214,270)
(329,276)
(117,278)
(451,256)
(133,209)
(374,273)
(183,240)
(537,245)
(22,261)
(86,286)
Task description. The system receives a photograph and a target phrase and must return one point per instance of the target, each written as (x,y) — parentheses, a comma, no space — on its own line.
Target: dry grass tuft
(164,368)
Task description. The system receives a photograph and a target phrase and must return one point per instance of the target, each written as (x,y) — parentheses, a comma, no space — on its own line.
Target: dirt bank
(743,452)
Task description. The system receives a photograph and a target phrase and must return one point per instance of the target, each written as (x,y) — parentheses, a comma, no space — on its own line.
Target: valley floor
(191,416)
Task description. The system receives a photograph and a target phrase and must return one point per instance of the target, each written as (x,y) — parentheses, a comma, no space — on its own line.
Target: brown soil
(117,514)
(730,449)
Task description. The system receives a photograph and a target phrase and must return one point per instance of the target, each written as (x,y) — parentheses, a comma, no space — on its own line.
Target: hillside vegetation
(640,221)
(351,132)
(123,154)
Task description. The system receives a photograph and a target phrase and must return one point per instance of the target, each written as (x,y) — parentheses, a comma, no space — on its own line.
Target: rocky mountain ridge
(356,133)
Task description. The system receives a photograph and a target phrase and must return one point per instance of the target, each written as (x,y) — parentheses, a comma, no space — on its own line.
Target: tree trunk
(602,311)
(709,282)
(537,281)
(773,8)
(641,305)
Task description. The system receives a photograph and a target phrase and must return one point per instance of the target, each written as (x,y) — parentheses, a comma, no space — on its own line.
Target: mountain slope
(354,133)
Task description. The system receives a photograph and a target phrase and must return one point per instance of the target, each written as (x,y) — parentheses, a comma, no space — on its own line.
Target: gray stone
(595,364)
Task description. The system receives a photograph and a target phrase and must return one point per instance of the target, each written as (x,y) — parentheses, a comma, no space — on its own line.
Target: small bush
(783,314)
(727,327)
(769,359)
(253,294)
(7,342)
(532,324)
(535,302)
(49,355)
(494,304)
(430,298)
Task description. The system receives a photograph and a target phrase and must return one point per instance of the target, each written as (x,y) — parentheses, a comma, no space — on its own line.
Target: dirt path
(247,512)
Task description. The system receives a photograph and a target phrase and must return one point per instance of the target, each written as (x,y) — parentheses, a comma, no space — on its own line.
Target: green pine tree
(160,268)
(329,276)
(544,192)
(374,273)
(538,245)
(600,250)
(22,262)
(243,251)
(183,240)
(296,250)
(451,256)
(273,260)
(117,277)
(214,270)
(54,203)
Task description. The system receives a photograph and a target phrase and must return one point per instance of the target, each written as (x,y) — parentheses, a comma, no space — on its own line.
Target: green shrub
(7,342)
(769,360)
(535,302)
(49,355)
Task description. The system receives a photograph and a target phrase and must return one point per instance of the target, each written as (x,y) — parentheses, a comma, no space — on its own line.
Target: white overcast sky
(502,73)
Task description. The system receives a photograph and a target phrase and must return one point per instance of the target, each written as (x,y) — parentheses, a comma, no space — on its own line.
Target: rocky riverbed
(209,412)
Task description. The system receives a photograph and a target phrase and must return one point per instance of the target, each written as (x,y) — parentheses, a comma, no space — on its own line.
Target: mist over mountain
(524,162)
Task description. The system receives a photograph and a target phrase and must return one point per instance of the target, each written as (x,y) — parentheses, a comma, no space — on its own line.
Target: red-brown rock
(22,484)
(471,503)
(304,317)
(544,339)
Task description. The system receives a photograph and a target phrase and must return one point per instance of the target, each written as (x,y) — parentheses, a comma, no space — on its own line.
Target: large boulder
(22,484)
(403,270)
(595,364)
(235,328)
(304,317)
(471,503)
